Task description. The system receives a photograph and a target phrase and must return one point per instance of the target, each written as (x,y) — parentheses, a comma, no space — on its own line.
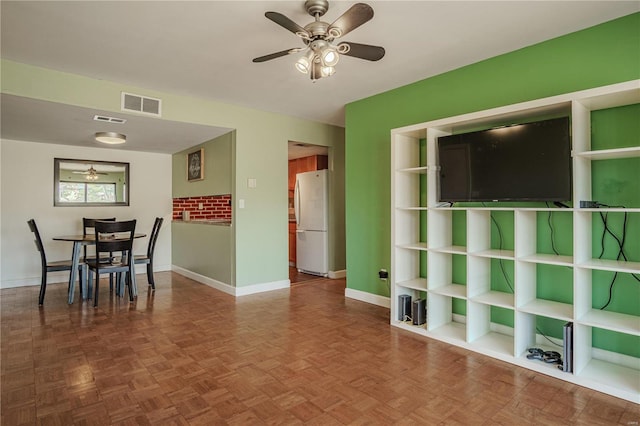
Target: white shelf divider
(450,249)
(612,265)
(612,154)
(549,259)
(495,298)
(414,284)
(495,254)
(549,308)
(453,290)
(613,321)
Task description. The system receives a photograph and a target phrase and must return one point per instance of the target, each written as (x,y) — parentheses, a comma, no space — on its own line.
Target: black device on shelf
(567,347)
(523,162)
(419,313)
(404,307)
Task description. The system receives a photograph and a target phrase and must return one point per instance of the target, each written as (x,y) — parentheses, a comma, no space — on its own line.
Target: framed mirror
(90,183)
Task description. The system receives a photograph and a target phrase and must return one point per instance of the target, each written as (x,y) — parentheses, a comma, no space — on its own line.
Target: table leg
(75,262)
(132,272)
(88,285)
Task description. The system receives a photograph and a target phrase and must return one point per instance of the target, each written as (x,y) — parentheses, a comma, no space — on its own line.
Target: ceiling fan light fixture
(327,71)
(92,174)
(329,56)
(304,63)
(111,138)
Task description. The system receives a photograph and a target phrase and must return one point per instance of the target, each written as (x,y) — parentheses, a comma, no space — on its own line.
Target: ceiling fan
(321,52)
(91,173)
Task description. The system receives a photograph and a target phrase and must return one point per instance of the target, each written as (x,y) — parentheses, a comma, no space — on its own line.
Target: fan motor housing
(317,29)
(316,7)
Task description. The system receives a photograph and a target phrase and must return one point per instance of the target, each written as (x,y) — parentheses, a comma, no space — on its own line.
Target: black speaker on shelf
(419,312)
(404,307)
(567,347)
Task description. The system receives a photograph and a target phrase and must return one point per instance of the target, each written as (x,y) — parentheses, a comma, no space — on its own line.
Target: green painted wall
(207,250)
(605,54)
(218,169)
(204,249)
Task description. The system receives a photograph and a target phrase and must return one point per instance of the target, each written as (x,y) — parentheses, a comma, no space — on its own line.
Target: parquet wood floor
(297,277)
(190,355)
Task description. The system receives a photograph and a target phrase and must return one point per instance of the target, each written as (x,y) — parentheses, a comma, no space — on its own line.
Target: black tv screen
(524,162)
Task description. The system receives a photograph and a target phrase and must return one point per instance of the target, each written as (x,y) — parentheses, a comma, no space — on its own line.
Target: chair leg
(130,285)
(83,281)
(43,287)
(132,282)
(150,275)
(120,283)
(86,274)
(97,290)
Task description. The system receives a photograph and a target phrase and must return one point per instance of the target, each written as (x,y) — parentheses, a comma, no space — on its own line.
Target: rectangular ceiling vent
(141,104)
(105,119)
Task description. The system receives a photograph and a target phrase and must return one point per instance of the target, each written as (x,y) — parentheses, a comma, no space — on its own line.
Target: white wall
(26,191)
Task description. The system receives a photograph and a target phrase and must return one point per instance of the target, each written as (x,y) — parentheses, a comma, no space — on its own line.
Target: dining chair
(147,259)
(112,238)
(59,265)
(87,229)
(88,226)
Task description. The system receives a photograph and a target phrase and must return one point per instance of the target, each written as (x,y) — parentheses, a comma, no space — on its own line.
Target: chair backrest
(88,226)
(38,240)
(154,236)
(122,242)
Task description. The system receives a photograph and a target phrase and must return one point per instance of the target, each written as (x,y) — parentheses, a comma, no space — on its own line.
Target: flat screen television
(523,162)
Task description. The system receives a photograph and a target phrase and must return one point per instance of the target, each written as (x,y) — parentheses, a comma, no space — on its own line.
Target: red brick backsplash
(213,207)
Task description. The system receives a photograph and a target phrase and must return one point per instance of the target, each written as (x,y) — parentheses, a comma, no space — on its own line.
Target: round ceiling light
(111,138)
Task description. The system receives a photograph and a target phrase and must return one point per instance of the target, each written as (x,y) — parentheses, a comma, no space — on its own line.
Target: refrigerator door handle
(300,231)
(296,202)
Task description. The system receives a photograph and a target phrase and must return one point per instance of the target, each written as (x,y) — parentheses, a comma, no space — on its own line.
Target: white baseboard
(229,289)
(34,281)
(334,275)
(218,285)
(262,287)
(363,296)
(63,277)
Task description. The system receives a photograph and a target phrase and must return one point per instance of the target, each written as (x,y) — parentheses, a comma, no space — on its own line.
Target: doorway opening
(303,157)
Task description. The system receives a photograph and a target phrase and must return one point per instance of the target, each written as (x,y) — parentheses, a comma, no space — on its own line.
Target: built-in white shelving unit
(425,249)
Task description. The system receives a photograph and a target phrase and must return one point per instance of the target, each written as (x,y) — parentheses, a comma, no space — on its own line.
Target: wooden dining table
(82,240)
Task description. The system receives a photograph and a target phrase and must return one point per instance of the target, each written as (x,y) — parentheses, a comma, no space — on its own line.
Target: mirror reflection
(90,183)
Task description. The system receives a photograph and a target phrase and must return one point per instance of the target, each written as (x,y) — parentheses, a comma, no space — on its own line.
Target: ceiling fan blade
(88,173)
(357,15)
(287,23)
(363,51)
(277,54)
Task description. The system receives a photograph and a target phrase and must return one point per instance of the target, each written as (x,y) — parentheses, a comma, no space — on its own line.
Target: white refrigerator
(311,211)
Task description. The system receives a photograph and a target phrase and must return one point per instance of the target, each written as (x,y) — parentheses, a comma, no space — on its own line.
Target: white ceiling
(204,49)
(48,122)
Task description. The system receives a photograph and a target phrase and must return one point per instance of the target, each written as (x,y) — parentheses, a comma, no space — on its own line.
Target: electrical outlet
(383,274)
